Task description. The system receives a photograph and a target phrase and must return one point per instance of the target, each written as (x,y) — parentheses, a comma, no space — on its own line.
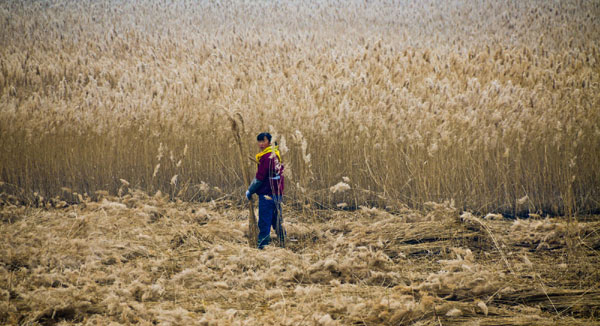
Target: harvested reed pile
(145,259)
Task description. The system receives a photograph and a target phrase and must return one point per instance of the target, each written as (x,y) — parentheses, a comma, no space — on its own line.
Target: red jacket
(270,173)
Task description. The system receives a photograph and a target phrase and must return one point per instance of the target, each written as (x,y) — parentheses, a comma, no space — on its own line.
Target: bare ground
(145,260)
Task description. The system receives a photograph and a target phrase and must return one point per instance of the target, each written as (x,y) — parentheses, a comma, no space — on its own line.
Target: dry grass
(140,259)
(402,114)
(483,103)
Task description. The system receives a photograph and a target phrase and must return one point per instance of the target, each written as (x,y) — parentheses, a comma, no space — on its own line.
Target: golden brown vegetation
(146,260)
(114,130)
(484,103)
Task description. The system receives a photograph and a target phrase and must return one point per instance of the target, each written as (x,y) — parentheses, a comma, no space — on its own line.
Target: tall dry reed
(494,105)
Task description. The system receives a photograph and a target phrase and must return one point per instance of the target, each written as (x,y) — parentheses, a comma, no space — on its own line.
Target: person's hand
(248,195)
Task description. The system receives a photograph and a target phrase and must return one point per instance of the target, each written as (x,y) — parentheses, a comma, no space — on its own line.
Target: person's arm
(254,186)
(261,175)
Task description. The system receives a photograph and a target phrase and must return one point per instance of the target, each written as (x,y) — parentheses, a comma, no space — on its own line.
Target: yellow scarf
(266,151)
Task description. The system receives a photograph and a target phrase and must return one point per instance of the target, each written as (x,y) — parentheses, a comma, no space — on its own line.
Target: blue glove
(248,195)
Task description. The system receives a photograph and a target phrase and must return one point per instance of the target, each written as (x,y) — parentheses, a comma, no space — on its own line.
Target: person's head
(264,140)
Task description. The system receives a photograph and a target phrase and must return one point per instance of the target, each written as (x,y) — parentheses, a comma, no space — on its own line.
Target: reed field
(442,162)
(491,104)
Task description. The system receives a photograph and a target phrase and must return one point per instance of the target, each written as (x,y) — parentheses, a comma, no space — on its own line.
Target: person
(268,186)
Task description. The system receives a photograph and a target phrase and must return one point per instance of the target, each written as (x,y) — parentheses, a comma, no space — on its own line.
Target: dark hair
(262,136)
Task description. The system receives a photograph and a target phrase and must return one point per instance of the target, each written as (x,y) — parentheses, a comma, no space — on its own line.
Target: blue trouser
(269,215)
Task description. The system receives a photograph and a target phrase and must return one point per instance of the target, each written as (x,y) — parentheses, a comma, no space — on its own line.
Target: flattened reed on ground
(144,259)
(494,106)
